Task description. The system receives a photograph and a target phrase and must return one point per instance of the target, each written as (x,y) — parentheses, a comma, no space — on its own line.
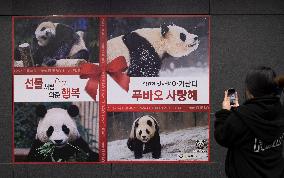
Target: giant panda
(58,133)
(144,49)
(200,144)
(144,137)
(54,41)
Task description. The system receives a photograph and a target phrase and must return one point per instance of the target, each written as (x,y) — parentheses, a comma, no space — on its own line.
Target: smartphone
(232,95)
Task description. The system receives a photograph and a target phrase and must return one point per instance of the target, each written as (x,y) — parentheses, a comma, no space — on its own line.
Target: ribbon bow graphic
(115,69)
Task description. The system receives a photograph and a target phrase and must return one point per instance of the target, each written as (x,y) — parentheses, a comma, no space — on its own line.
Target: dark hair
(262,81)
(280,81)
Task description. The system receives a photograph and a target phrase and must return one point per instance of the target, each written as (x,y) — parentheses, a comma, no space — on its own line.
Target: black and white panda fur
(57,127)
(144,137)
(201,146)
(54,41)
(145,48)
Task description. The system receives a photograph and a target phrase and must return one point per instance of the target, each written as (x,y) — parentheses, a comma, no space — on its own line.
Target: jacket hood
(264,116)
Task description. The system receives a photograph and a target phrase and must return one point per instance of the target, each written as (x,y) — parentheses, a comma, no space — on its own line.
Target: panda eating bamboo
(58,139)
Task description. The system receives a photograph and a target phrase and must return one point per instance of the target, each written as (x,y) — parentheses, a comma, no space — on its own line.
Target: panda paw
(156,155)
(138,156)
(49,61)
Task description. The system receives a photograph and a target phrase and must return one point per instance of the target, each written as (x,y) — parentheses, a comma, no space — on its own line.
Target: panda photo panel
(55,41)
(60,135)
(167,59)
(156,47)
(157,136)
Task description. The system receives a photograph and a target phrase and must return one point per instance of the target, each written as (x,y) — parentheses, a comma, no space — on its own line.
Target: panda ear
(134,129)
(164,29)
(156,126)
(149,123)
(136,124)
(73,110)
(41,110)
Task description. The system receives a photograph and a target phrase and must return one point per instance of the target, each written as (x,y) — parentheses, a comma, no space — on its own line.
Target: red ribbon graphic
(115,69)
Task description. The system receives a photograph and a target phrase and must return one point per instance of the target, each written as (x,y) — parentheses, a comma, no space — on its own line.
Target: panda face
(57,127)
(145,128)
(200,144)
(44,32)
(178,41)
(58,137)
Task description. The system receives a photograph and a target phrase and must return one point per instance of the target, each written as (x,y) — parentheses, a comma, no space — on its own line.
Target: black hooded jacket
(253,134)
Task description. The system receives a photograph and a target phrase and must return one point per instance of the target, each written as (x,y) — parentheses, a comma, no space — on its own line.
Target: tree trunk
(25,55)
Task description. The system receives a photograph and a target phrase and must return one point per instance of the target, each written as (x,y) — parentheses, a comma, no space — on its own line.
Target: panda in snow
(54,41)
(144,49)
(57,138)
(144,137)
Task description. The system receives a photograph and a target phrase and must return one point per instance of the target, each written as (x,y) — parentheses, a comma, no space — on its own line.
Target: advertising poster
(111,89)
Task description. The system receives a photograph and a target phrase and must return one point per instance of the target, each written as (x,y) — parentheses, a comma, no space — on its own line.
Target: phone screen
(232,95)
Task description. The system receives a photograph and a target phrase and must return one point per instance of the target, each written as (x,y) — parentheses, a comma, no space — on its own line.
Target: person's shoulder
(222,113)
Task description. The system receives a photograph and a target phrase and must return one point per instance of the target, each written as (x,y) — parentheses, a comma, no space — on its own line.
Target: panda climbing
(144,137)
(145,48)
(54,41)
(57,138)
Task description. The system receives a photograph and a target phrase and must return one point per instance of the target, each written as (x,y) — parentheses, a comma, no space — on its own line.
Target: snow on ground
(185,72)
(178,145)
